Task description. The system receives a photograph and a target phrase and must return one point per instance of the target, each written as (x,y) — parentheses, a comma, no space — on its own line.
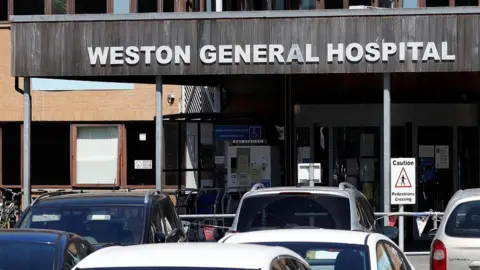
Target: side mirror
(160,237)
(432,233)
(390,231)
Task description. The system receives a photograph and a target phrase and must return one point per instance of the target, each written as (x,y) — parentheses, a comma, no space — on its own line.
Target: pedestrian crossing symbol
(403,181)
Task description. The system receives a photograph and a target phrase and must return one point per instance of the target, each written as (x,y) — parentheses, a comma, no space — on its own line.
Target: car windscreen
(328,256)
(97,224)
(464,221)
(294,210)
(164,268)
(25,255)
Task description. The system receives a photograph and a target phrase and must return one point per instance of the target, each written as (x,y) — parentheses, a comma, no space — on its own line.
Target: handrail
(344,185)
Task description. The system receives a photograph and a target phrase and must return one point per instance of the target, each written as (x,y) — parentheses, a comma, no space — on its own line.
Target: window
(333,4)
(324,255)
(90,6)
(289,211)
(41,84)
(121,6)
(58,7)
(97,155)
(464,221)
(28,7)
(95,223)
(146,6)
(437,3)
(155,222)
(169,219)
(174,152)
(4,10)
(466,3)
(398,261)
(383,261)
(361,216)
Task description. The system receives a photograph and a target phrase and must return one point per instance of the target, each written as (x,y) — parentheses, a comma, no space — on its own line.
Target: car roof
(315,190)
(299,235)
(465,193)
(186,255)
(97,198)
(32,235)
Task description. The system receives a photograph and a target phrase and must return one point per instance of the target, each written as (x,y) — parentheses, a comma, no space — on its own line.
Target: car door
(173,229)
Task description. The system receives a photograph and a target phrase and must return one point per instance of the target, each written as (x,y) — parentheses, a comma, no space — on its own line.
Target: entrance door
(435,184)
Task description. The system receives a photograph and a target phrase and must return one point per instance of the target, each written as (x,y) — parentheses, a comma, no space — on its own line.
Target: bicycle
(10,210)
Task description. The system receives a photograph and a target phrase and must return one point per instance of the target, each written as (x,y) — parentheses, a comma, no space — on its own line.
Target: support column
(158,133)
(27,121)
(386,145)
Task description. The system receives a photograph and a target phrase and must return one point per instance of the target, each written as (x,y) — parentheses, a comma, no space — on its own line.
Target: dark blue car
(30,249)
(107,218)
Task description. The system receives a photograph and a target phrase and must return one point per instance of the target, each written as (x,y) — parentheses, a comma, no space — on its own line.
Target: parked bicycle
(9,210)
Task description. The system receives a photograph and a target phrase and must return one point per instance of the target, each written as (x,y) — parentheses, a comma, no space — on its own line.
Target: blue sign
(230,133)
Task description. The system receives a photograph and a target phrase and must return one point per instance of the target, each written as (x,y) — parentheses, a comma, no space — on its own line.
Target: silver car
(456,242)
(341,208)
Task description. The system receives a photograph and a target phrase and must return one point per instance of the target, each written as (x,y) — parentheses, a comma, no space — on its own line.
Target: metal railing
(435,216)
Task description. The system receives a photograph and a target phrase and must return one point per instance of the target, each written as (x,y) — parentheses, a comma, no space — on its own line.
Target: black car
(107,218)
(41,249)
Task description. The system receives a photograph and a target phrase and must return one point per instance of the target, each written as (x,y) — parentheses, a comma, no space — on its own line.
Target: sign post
(309,172)
(402,189)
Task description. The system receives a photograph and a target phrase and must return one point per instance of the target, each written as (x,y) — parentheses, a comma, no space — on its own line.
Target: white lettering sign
(371,52)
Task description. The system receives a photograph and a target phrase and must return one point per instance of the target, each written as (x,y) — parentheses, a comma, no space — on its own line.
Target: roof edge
(248,14)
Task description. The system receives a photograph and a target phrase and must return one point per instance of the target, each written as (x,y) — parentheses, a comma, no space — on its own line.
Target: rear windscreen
(292,211)
(464,220)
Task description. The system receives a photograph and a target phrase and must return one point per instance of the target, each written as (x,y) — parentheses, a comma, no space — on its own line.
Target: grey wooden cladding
(59,49)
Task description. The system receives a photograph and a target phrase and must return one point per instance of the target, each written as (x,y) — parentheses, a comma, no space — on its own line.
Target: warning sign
(403,183)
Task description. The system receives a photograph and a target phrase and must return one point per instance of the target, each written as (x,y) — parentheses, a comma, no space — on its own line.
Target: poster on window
(441,157)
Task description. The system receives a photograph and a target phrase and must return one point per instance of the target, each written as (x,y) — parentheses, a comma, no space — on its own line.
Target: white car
(456,243)
(326,249)
(193,256)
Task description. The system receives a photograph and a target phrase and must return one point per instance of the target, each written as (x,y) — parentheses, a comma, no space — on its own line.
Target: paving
(420,262)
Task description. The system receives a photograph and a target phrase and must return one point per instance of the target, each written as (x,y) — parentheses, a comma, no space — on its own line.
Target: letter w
(99,53)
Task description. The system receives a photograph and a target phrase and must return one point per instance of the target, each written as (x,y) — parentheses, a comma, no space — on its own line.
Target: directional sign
(403,182)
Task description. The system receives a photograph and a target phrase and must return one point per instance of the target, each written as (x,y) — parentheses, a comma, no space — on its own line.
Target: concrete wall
(123,105)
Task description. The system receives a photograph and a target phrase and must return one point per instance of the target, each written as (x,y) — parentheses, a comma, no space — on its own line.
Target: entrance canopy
(179,46)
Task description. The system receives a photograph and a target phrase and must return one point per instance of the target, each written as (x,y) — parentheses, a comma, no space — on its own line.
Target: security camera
(170,98)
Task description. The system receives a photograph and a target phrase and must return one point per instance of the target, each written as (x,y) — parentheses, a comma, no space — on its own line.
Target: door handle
(475,265)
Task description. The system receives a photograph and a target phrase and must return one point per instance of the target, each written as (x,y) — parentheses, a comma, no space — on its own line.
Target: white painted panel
(97,155)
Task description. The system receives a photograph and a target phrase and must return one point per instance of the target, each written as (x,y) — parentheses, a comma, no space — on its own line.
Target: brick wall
(122,105)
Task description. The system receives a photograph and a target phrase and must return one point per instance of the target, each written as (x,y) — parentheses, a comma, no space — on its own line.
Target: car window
(294,210)
(169,216)
(156,224)
(383,261)
(464,221)
(72,255)
(370,215)
(295,264)
(362,220)
(24,255)
(326,256)
(396,257)
(97,224)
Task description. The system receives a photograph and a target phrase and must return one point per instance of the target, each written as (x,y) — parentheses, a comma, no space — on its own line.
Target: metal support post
(158,133)
(27,121)
(311,180)
(386,147)
(401,228)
